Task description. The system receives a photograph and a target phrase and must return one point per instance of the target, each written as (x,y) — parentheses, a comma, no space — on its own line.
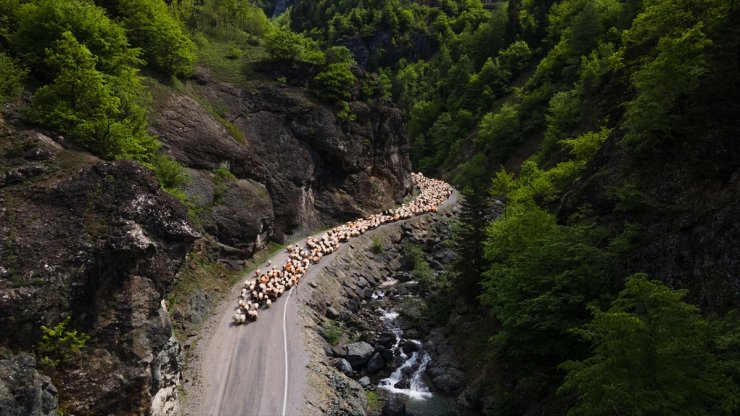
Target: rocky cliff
(101,243)
(296,166)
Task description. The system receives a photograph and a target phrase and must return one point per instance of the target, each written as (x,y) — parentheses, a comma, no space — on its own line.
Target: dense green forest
(557,119)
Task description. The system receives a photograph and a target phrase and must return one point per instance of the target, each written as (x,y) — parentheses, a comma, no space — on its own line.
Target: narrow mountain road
(259,368)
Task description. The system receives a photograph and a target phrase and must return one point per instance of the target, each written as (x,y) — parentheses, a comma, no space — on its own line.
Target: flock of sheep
(266,287)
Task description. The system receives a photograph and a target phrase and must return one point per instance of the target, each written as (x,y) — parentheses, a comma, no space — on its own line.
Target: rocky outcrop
(316,169)
(100,242)
(23,391)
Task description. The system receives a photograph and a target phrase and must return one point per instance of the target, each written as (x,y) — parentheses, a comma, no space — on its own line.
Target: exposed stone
(375,363)
(344,366)
(359,353)
(394,407)
(24,391)
(364,382)
(332,313)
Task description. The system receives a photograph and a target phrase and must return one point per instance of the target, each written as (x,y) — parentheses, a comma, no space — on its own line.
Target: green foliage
(150,27)
(284,44)
(377,246)
(11,78)
(650,357)
(170,173)
(335,83)
(420,269)
(500,131)
(540,279)
(373,401)
(40,24)
(58,344)
(468,236)
(222,19)
(97,110)
(333,331)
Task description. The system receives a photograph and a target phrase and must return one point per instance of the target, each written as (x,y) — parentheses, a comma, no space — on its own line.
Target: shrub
(335,83)
(11,78)
(333,332)
(377,246)
(58,344)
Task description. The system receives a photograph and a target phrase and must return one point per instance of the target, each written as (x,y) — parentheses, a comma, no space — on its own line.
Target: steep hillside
(127,198)
(597,141)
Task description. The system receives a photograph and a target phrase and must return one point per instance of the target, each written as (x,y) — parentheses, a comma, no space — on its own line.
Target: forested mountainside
(596,142)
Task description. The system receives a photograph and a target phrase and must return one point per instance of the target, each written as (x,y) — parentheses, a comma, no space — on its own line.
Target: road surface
(243,368)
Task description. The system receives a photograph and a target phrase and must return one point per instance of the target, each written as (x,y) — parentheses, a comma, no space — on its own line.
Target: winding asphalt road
(246,370)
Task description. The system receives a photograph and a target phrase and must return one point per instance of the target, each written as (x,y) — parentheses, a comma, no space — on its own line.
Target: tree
(650,357)
(166,48)
(80,102)
(284,44)
(540,278)
(41,23)
(500,131)
(335,83)
(468,237)
(11,78)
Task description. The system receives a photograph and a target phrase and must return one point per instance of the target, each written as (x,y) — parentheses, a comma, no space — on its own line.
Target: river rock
(387,339)
(375,364)
(332,313)
(394,407)
(364,381)
(344,366)
(359,353)
(449,381)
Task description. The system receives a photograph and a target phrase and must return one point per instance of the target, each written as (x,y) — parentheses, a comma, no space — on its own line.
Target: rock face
(102,245)
(23,391)
(316,169)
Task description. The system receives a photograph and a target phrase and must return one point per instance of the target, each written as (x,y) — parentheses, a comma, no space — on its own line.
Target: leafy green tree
(540,278)
(500,131)
(335,83)
(41,23)
(515,57)
(650,358)
(284,44)
(80,102)
(150,27)
(58,344)
(11,78)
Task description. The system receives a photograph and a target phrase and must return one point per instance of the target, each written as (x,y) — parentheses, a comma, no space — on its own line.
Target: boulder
(358,354)
(344,366)
(375,364)
(364,382)
(394,407)
(241,216)
(332,313)
(449,381)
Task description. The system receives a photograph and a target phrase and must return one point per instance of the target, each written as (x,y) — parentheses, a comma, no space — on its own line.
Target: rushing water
(417,389)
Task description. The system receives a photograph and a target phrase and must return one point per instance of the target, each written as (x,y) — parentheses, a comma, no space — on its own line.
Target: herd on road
(259,292)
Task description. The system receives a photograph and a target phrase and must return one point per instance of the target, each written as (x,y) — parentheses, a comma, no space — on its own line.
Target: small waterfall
(417,389)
